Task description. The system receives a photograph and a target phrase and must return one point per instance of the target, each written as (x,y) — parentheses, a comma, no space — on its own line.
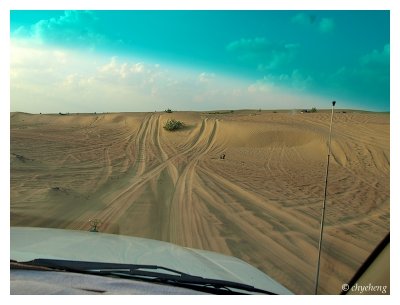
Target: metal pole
(323,205)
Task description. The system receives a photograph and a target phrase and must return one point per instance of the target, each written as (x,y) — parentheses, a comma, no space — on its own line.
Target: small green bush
(173,124)
(313,109)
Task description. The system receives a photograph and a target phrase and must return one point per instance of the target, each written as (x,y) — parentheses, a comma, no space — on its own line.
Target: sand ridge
(261,203)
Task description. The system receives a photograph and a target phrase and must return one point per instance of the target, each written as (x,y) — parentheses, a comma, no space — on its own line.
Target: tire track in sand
(172,170)
(183,184)
(258,205)
(141,176)
(181,214)
(140,143)
(118,202)
(138,168)
(106,172)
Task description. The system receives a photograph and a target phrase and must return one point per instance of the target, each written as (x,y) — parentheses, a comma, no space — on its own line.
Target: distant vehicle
(50,261)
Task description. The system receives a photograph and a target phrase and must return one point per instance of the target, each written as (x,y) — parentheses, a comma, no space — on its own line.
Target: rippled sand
(261,203)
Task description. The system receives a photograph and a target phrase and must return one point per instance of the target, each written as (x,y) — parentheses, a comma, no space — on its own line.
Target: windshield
(208,137)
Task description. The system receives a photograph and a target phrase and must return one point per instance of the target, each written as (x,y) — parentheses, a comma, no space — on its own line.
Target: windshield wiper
(149,273)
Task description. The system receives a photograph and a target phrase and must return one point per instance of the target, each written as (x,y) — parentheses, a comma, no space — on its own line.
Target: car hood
(32,243)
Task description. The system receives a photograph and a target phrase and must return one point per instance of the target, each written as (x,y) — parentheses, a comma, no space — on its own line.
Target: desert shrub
(168,111)
(313,109)
(173,124)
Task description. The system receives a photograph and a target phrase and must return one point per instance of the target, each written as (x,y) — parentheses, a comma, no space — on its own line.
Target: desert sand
(261,203)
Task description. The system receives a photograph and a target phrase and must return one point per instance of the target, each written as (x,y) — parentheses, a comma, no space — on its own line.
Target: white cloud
(34,57)
(109,67)
(71,28)
(205,77)
(377,58)
(296,81)
(139,67)
(70,80)
(260,86)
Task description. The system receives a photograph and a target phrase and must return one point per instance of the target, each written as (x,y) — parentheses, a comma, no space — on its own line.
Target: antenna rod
(323,205)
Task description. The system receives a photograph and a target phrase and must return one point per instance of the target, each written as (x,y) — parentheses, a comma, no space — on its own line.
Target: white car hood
(31,243)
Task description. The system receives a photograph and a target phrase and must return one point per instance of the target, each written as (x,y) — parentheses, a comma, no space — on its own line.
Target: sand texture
(262,203)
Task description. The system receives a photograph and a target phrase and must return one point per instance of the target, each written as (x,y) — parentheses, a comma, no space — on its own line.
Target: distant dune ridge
(261,203)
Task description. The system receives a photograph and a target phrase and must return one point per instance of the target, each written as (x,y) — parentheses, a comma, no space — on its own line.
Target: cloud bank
(56,80)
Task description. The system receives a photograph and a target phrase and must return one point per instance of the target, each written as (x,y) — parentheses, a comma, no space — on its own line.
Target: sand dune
(262,203)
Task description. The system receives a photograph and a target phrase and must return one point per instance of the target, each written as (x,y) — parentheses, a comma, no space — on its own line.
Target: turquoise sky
(148,60)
